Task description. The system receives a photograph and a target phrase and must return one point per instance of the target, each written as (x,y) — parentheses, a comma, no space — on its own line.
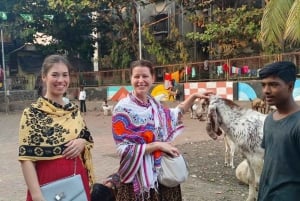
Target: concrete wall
(19,99)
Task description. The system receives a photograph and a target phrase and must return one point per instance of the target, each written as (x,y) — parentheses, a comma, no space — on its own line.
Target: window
(161,26)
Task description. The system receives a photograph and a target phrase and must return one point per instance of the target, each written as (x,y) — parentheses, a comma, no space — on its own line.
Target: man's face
(276,91)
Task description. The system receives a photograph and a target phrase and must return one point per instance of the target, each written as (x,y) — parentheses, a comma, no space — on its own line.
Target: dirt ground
(209,180)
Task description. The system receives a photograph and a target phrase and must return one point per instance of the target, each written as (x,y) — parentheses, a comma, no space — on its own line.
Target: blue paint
(245,92)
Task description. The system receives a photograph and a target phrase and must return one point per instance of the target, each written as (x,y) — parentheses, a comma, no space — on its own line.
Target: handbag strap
(75,166)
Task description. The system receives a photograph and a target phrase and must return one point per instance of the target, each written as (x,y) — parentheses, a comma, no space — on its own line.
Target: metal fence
(214,70)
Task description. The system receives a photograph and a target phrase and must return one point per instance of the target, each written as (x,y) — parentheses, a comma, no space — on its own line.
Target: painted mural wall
(241,91)
(250,90)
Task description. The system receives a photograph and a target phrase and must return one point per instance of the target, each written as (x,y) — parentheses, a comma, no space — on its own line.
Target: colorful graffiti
(115,93)
(244,91)
(252,89)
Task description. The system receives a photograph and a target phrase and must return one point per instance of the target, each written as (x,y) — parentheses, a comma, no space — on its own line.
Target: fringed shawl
(135,124)
(46,127)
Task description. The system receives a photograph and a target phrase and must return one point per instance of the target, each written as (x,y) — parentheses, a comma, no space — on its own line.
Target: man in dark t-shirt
(280,179)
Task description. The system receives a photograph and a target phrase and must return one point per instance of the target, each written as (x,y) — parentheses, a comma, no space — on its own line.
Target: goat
(262,106)
(199,110)
(245,128)
(257,104)
(193,109)
(242,172)
(230,149)
(107,109)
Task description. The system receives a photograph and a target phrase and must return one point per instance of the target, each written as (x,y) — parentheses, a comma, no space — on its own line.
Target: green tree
(68,22)
(124,33)
(280,25)
(228,32)
(169,49)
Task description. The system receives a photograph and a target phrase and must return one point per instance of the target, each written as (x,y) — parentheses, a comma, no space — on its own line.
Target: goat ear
(211,123)
(212,112)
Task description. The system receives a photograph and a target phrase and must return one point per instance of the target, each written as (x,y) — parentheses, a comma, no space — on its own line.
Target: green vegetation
(222,29)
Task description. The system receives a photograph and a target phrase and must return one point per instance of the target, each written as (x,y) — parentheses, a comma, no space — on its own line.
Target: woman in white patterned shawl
(143,130)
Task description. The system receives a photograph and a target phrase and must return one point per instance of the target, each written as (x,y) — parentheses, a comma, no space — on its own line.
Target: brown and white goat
(245,128)
(199,109)
(262,106)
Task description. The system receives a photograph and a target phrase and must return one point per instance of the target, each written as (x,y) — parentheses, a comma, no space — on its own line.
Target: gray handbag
(66,189)
(174,171)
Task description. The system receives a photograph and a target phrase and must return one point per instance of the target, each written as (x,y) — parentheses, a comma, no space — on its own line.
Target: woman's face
(141,80)
(57,80)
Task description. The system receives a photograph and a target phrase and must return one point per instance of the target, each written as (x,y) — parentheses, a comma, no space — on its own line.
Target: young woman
(53,137)
(143,130)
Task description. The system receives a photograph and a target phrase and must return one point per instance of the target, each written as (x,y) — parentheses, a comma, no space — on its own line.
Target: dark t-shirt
(280,179)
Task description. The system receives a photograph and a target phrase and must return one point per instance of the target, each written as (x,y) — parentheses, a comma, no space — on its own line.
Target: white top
(82,95)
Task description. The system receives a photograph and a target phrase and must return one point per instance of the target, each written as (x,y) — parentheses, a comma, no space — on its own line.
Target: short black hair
(101,192)
(285,70)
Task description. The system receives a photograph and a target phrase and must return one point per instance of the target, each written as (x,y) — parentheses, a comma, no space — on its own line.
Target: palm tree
(280,25)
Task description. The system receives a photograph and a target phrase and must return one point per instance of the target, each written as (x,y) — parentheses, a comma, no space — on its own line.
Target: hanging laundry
(193,72)
(226,68)
(175,76)
(167,80)
(233,69)
(245,69)
(253,72)
(220,70)
(206,65)
(188,70)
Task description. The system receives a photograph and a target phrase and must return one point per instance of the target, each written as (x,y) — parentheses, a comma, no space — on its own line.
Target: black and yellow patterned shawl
(46,127)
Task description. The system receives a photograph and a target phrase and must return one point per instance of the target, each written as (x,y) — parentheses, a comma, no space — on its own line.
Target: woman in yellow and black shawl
(53,134)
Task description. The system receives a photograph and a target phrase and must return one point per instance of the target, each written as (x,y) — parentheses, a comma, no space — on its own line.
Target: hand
(169,149)
(204,95)
(74,148)
(38,197)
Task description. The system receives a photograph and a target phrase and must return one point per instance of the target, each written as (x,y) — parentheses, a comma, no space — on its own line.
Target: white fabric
(82,95)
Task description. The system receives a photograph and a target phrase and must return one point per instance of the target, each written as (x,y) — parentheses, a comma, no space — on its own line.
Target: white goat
(245,128)
(242,172)
(199,111)
(230,149)
(107,109)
